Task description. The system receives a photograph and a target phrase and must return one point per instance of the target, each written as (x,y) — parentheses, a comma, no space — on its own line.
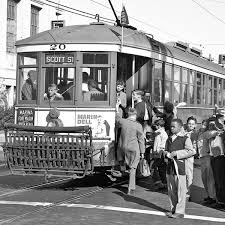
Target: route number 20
(54,47)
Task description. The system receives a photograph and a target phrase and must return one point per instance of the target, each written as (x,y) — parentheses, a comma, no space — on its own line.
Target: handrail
(77,129)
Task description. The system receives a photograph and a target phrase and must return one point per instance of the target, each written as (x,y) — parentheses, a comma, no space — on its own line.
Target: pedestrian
(159,166)
(131,144)
(53,94)
(167,115)
(193,135)
(29,89)
(205,161)
(178,149)
(121,97)
(52,118)
(143,114)
(217,161)
(121,101)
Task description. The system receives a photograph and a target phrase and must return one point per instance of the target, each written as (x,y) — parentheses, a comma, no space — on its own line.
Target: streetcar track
(58,203)
(32,187)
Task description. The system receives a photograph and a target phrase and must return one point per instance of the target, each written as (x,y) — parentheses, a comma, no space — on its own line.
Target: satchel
(143,169)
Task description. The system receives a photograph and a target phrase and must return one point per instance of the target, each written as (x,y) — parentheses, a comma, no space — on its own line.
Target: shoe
(162,186)
(131,192)
(176,216)
(209,200)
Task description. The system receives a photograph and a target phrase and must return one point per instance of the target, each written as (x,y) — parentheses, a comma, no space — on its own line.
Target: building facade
(20,19)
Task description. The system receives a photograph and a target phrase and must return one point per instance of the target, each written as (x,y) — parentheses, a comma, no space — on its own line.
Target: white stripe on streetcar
(111,208)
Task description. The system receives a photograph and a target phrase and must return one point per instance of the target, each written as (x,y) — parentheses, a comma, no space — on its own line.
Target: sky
(201,23)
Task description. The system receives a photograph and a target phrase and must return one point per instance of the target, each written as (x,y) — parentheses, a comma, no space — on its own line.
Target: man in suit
(131,144)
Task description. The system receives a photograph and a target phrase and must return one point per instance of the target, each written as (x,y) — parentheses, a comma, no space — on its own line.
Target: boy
(178,149)
(52,118)
(159,174)
(131,144)
(193,135)
(52,94)
(121,97)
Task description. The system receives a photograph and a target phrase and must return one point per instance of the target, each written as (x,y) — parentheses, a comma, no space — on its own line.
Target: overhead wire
(143,22)
(80,12)
(209,12)
(108,20)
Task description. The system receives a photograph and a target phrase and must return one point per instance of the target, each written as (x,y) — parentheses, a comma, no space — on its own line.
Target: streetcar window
(26,59)
(199,87)
(184,93)
(158,82)
(204,89)
(220,92)
(192,94)
(168,82)
(168,90)
(59,83)
(210,91)
(168,72)
(94,84)
(95,58)
(192,77)
(184,86)
(28,84)
(223,92)
(176,96)
(192,87)
(177,73)
(215,91)
(184,76)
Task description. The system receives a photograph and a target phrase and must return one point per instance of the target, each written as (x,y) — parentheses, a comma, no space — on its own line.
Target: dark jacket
(184,149)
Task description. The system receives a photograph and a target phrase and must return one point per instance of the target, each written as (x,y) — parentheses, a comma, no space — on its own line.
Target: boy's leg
(172,192)
(162,171)
(189,171)
(155,176)
(181,193)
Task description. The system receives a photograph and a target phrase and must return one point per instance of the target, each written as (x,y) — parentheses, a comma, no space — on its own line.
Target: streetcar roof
(99,33)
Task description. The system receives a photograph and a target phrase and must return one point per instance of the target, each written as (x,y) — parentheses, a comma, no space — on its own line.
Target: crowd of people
(171,147)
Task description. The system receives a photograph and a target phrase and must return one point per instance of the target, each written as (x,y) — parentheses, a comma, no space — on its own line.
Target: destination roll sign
(59,58)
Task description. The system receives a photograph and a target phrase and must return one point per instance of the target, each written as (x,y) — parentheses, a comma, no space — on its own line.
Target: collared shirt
(160,142)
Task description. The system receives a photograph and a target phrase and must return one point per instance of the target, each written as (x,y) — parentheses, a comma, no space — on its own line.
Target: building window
(11,26)
(34,20)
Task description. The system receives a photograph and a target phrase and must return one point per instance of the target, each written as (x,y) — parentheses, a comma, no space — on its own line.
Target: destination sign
(59,58)
(25,116)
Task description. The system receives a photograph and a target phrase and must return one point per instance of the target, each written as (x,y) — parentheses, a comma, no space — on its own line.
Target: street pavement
(95,200)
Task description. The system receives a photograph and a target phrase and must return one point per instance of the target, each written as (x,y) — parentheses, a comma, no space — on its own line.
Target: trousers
(189,168)
(207,176)
(132,179)
(177,192)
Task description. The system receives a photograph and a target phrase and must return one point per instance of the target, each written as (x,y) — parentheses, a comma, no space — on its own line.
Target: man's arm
(141,139)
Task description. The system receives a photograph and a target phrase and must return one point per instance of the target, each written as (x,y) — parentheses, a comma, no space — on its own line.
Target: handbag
(143,169)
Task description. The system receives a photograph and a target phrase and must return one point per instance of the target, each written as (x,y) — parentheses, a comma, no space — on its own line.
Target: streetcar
(70,56)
